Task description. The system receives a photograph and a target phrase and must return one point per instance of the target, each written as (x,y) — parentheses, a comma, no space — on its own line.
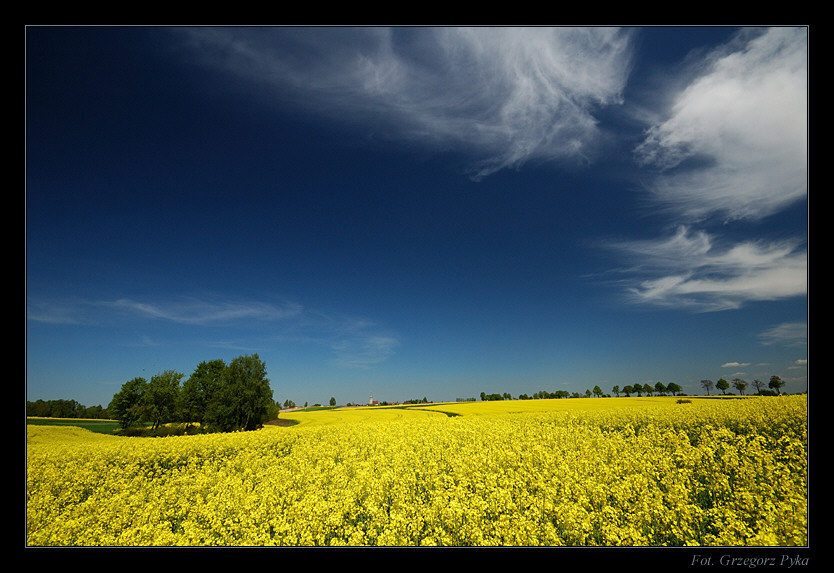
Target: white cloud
(354,342)
(786,334)
(735,141)
(502,95)
(689,270)
(195,311)
(363,351)
(734,364)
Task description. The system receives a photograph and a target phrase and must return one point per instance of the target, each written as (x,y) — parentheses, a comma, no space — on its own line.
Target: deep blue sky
(415,212)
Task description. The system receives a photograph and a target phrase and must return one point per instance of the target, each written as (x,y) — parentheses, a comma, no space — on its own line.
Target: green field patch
(98,426)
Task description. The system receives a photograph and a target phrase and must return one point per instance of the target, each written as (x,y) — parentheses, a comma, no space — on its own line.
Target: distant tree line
(64,409)
(774,387)
(217,397)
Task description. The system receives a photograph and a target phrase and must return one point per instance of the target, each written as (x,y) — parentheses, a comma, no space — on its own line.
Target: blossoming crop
(541,472)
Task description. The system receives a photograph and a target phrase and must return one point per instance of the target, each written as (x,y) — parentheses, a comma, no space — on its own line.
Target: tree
(673,388)
(627,390)
(332,401)
(706,385)
(244,399)
(198,391)
(758,384)
(159,401)
(597,391)
(776,383)
(722,385)
(126,405)
(739,385)
(648,389)
(660,388)
(616,390)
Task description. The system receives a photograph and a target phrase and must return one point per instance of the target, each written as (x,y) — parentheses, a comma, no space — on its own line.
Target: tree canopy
(216,396)
(243,399)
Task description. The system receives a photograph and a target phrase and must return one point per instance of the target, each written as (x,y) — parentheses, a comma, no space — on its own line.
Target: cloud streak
(688,270)
(786,334)
(353,342)
(193,311)
(505,95)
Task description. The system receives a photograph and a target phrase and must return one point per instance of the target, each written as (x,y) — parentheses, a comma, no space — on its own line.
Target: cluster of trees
(659,388)
(219,397)
(64,409)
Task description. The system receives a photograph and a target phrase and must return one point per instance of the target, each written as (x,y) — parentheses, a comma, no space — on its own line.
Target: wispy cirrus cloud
(503,96)
(364,350)
(180,310)
(786,334)
(196,311)
(354,342)
(689,270)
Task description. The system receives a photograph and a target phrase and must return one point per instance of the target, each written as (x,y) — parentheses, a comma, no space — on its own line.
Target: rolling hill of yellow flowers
(579,472)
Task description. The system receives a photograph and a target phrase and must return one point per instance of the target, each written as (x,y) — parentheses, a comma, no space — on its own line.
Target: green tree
(332,401)
(95,412)
(244,399)
(722,385)
(126,405)
(739,385)
(673,388)
(627,390)
(199,390)
(597,391)
(616,390)
(706,384)
(648,389)
(776,383)
(159,401)
(660,388)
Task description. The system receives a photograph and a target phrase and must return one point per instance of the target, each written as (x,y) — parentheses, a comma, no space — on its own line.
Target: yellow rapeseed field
(581,472)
